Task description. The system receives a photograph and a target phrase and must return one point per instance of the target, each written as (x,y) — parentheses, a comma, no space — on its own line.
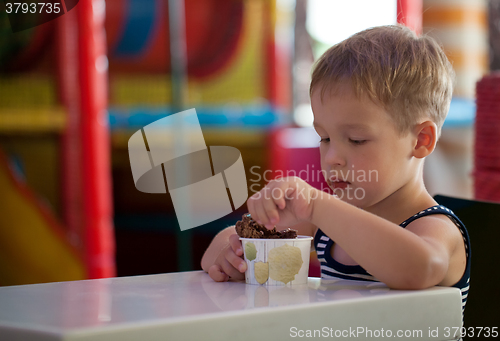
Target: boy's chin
(350,198)
(355,202)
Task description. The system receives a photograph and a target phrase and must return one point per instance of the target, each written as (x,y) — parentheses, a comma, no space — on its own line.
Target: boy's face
(362,153)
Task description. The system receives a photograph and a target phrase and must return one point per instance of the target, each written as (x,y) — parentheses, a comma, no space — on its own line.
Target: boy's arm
(412,258)
(415,257)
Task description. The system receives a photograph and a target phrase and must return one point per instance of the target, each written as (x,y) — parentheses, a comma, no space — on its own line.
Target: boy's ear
(426,139)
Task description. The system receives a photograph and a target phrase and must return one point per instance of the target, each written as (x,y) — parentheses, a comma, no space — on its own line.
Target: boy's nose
(334,157)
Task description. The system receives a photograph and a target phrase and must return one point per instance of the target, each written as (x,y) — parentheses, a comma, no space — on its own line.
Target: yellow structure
(33,248)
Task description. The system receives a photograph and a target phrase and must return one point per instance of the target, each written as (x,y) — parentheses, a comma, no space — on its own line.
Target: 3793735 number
(471,331)
(33,7)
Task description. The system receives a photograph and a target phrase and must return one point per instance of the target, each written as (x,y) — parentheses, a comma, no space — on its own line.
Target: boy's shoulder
(437,228)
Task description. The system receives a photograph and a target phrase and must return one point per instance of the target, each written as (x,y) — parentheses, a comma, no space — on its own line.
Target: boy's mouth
(338,184)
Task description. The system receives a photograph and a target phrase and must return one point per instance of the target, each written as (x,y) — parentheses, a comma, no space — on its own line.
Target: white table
(190,306)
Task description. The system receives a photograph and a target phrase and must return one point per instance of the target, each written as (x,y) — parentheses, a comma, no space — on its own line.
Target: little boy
(379,100)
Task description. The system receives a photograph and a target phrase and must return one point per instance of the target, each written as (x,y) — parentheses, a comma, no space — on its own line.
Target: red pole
(70,165)
(95,147)
(410,14)
(270,53)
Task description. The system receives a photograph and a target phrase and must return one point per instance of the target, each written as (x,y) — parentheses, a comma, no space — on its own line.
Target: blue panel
(140,19)
(260,116)
(462,113)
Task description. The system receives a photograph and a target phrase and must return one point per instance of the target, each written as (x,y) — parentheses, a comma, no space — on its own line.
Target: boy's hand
(229,263)
(283,202)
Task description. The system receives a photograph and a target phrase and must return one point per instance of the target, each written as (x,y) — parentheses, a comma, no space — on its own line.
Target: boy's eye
(324,139)
(357,142)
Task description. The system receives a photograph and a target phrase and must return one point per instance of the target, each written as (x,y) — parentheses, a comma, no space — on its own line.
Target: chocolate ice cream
(249,228)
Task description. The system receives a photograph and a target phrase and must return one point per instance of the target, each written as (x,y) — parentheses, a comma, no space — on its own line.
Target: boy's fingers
(276,202)
(264,205)
(261,215)
(267,206)
(236,262)
(280,201)
(278,194)
(215,272)
(250,204)
(230,270)
(289,191)
(234,241)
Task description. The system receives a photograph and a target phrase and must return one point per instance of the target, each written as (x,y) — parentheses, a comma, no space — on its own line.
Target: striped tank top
(330,268)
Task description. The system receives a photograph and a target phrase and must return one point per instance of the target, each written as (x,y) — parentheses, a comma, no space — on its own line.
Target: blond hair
(409,76)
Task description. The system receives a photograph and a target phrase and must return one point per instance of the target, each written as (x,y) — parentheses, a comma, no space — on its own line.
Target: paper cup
(282,262)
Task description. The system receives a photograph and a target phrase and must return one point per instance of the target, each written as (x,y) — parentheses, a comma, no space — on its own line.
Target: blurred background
(73,91)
